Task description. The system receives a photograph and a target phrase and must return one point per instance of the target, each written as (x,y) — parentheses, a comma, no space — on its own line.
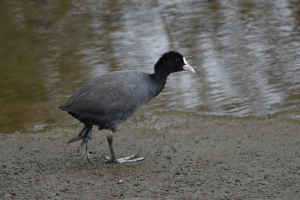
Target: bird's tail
(62,107)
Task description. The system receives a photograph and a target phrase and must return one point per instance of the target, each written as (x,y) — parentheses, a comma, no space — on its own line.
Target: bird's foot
(81,135)
(131,158)
(86,141)
(86,136)
(75,139)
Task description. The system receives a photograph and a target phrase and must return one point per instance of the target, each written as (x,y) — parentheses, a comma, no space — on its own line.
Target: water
(245,53)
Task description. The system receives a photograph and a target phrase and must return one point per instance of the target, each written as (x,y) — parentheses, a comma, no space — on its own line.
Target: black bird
(109,100)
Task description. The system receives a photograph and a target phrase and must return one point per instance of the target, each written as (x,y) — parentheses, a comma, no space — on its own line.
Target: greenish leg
(113,158)
(86,136)
(110,143)
(80,135)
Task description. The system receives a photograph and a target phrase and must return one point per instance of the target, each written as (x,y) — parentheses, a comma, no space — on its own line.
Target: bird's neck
(160,83)
(159,79)
(160,76)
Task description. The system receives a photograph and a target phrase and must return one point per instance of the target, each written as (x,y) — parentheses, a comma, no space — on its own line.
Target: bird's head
(171,62)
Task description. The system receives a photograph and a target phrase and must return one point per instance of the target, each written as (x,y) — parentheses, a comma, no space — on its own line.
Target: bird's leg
(87,146)
(86,140)
(110,143)
(86,136)
(80,135)
(113,158)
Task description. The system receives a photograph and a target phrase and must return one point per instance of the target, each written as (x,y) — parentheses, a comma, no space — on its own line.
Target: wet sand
(188,156)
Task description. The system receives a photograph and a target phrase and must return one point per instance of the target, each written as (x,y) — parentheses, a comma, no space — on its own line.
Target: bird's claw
(86,136)
(124,160)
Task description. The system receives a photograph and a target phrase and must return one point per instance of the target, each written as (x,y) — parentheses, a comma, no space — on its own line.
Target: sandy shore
(188,156)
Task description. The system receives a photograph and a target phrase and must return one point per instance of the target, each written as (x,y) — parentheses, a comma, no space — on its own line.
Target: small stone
(223,166)
(120,181)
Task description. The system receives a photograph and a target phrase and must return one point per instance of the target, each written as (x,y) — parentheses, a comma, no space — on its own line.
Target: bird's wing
(109,94)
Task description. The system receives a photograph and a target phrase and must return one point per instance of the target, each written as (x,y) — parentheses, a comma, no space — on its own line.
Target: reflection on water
(245,53)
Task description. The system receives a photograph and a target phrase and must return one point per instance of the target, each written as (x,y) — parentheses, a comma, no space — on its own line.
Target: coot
(109,100)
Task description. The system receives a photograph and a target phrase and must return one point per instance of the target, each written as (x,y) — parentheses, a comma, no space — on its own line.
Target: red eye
(177,60)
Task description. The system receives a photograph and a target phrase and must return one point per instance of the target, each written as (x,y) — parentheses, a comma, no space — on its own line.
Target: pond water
(245,54)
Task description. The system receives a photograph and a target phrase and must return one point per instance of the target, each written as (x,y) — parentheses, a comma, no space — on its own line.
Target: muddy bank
(188,156)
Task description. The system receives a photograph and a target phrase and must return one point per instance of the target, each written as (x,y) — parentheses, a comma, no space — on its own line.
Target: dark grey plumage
(109,100)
